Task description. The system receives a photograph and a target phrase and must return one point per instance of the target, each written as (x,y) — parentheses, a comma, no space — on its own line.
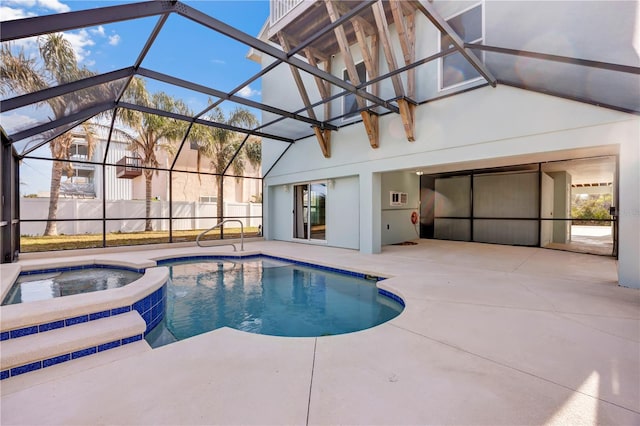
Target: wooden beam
(372,69)
(324,139)
(407,36)
(371,126)
(316,52)
(375,56)
(408,50)
(383,30)
(327,105)
(341,38)
(297,78)
(325,92)
(406,115)
(411,32)
(370,123)
(320,134)
(366,26)
(323,87)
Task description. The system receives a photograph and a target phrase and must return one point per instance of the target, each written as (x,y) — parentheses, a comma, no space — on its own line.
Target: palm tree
(220,145)
(21,74)
(151,131)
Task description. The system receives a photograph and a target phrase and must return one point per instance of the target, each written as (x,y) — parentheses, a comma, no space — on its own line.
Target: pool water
(267,296)
(48,285)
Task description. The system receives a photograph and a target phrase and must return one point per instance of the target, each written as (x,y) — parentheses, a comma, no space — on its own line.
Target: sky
(183,49)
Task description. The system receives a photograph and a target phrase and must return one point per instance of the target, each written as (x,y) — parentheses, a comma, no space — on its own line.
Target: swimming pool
(48,284)
(270,296)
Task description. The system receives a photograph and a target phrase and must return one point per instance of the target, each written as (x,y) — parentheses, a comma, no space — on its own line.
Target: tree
(21,74)
(220,145)
(151,132)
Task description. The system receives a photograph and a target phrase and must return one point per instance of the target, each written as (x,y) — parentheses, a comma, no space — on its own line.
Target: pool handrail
(219,224)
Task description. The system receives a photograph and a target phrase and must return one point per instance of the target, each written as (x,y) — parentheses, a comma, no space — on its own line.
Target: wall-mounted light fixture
(331,183)
(419,173)
(286,188)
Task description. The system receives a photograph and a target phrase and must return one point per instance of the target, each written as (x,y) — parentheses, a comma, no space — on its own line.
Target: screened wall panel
(506,195)
(452,199)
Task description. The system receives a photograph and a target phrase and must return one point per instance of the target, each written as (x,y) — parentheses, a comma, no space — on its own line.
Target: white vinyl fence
(120,215)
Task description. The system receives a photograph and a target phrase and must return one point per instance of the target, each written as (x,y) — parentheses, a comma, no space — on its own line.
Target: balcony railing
(129,167)
(279,8)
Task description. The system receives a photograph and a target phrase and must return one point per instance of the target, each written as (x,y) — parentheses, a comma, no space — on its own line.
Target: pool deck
(490,335)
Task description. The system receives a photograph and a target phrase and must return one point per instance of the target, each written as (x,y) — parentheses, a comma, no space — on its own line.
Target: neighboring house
(85,179)
(474,162)
(189,185)
(126,181)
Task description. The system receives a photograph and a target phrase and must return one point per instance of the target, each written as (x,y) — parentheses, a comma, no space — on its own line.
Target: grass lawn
(29,244)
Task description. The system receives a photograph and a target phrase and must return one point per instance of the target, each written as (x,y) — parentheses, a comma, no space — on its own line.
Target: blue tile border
(386,293)
(55,360)
(391,296)
(150,308)
(79,267)
(268,256)
(15,371)
(22,369)
(21,332)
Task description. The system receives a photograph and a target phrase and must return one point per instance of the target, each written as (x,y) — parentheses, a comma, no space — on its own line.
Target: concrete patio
(490,335)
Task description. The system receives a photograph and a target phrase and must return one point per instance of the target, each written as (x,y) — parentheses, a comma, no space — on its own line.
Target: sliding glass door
(309,201)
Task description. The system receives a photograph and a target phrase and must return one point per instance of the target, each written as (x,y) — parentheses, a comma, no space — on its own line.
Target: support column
(9,199)
(629,212)
(370,212)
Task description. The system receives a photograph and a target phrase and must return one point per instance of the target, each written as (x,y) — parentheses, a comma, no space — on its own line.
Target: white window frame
(441,88)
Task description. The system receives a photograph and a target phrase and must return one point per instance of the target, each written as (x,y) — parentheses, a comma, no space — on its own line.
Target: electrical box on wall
(397,198)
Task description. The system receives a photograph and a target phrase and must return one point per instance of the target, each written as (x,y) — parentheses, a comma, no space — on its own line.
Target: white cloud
(21,3)
(54,5)
(9,13)
(218,61)
(79,41)
(98,31)
(247,92)
(114,40)
(17,9)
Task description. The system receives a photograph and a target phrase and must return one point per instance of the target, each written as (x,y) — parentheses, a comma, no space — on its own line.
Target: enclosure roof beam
(64,89)
(78,116)
(233,98)
(219,26)
(39,25)
(208,123)
(556,58)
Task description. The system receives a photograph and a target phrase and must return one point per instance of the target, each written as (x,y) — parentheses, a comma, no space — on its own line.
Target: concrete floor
(490,335)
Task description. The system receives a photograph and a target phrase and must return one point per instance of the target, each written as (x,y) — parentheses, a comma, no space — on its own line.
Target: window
(79,150)
(455,68)
(350,103)
(208,199)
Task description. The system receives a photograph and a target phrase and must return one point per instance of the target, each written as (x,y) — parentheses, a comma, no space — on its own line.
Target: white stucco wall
(482,128)
(396,220)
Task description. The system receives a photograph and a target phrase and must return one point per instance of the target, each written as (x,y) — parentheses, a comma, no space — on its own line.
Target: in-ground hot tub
(32,286)
(145,295)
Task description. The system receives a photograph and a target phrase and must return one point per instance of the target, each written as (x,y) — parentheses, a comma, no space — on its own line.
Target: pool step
(58,371)
(36,351)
